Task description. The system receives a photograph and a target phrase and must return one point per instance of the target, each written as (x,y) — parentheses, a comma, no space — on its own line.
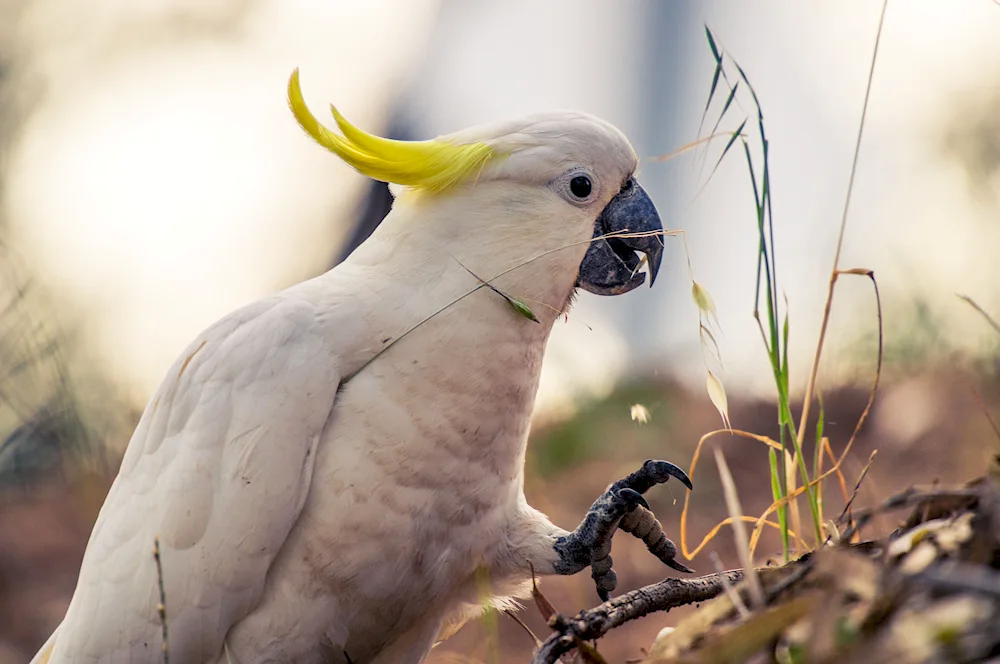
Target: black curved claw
(651,474)
(674,471)
(604,577)
(680,567)
(632,497)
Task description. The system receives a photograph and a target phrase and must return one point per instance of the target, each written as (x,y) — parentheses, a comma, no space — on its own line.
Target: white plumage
(328,468)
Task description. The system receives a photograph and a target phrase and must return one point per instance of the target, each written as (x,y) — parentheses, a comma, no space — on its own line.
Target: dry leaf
(545,607)
(717,394)
(739,643)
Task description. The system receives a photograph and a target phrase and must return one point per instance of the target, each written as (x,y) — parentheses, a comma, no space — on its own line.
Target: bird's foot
(620,507)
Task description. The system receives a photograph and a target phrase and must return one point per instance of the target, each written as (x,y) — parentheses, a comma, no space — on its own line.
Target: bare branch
(663,596)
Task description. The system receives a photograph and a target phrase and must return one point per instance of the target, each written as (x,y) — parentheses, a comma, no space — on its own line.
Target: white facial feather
(541,147)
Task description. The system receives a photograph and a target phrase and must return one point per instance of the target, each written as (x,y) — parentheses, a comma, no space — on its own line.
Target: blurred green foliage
(596,431)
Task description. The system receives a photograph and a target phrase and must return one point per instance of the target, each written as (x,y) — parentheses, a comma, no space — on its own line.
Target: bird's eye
(580,186)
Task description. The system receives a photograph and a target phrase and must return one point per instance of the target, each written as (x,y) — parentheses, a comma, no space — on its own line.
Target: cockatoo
(332,471)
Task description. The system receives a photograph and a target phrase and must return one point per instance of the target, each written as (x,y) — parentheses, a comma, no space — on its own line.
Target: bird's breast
(420,473)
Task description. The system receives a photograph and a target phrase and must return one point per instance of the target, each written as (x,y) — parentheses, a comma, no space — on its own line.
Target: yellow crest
(430,165)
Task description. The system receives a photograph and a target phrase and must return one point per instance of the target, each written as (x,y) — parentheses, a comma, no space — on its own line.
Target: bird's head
(559,183)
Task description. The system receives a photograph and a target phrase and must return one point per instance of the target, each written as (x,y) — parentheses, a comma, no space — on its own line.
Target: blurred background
(152,179)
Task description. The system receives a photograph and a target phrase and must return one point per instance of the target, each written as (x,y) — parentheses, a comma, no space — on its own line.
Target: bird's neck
(466,354)
(504,238)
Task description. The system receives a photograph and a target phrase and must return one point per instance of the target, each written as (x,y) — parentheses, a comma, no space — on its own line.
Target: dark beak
(610,266)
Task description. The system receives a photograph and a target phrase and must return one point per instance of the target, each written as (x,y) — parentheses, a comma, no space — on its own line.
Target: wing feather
(218,468)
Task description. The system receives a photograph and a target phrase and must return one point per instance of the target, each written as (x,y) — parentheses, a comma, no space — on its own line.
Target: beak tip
(654,261)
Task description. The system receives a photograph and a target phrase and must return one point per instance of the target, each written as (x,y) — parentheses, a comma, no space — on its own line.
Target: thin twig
(906,498)
(161,608)
(963,577)
(986,411)
(595,623)
(878,362)
(513,616)
(814,371)
(515,304)
(687,147)
(730,591)
(857,487)
(803,567)
(485,283)
(739,530)
(982,312)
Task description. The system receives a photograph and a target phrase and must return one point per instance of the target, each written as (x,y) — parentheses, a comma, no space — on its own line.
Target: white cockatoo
(331,471)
